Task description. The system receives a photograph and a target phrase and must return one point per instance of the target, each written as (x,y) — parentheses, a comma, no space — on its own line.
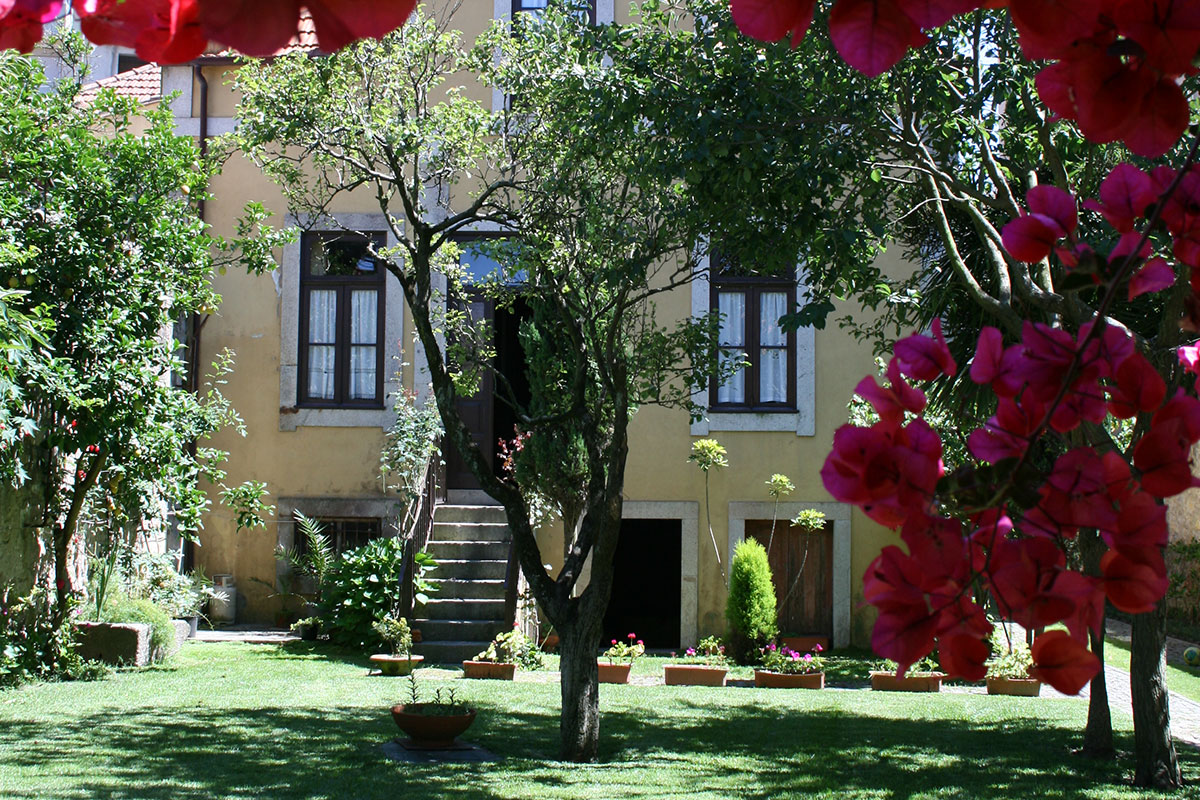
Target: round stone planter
(888,682)
(765,679)
(614,673)
(693,675)
(396,665)
(492,670)
(431,731)
(1018,687)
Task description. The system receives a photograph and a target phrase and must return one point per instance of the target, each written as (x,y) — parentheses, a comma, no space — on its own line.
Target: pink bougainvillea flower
(1049,28)
(1161,120)
(963,656)
(1030,238)
(872,35)
(263,27)
(1124,197)
(1050,201)
(21,22)
(1062,662)
(923,358)
(1154,277)
(772,20)
(1133,586)
(1169,32)
(1138,388)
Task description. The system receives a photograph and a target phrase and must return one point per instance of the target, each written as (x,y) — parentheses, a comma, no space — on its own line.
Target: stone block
(125,644)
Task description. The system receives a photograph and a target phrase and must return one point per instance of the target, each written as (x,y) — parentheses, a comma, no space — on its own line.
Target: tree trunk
(579,725)
(22,548)
(1098,735)
(1156,764)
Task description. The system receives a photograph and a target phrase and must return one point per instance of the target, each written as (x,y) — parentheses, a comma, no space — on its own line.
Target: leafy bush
(1009,662)
(514,647)
(362,587)
(750,608)
(32,647)
(122,608)
(152,576)
(394,631)
(1183,571)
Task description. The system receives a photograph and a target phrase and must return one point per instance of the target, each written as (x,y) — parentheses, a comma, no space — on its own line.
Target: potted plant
(499,661)
(922,676)
(702,665)
(784,668)
(433,725)
(395,633)
(1008,672)
(621,656)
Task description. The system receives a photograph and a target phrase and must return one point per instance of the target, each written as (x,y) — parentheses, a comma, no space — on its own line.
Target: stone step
(473,569)
(441,607)
(468,551)
(466,590)
(450,653)
(470,531)
(458,630)
(464,513)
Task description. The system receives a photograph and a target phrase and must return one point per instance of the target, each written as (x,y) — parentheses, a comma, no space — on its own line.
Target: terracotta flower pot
(613,673)
(396,665)
(765,679)
(494,670)
(888,682)
(431,731)
(693,675)
(551,643)
(1018,687)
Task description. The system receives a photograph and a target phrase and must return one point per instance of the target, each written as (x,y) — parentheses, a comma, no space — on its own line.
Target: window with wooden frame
(534,6)
(750,308)
(344,533)
(341,321)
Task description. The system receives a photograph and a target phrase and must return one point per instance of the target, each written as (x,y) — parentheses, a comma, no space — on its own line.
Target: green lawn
(240,721)
(1182,679)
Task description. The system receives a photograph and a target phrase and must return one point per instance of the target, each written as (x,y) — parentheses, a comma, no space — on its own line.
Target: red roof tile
(143,84)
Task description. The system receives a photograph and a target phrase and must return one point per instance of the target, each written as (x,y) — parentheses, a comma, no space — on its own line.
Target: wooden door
(476,410)
(802,570)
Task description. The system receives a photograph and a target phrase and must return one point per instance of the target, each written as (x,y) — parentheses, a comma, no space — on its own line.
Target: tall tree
(620,155)
(99,235)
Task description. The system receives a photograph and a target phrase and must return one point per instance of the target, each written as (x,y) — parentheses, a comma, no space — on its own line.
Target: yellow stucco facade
(330,460)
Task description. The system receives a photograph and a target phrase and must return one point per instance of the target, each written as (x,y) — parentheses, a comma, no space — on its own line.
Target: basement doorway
(647,572)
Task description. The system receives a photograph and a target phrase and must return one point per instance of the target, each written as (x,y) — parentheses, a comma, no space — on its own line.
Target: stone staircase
(471,546)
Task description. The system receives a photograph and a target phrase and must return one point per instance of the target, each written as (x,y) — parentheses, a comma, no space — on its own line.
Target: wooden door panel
(805,560)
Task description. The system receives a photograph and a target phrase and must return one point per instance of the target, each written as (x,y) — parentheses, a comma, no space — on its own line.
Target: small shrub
(33,648)
(153,576)
(513,647)
(750,608)
(395,633)
(625,652)
(362,587)
(123,608)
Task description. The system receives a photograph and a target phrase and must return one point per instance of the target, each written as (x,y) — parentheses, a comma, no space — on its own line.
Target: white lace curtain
(364,327)
(732,306)
(772,353)
(322,343)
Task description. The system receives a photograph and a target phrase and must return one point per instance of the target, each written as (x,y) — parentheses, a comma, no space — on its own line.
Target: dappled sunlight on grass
(237,721)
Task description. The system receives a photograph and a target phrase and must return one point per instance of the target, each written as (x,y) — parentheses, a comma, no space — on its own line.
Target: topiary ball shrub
(362,587)
(750,608)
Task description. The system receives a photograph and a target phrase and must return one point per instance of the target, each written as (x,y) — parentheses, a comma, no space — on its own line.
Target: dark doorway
(476,410)
(489,417)
(802,569)
(646,578)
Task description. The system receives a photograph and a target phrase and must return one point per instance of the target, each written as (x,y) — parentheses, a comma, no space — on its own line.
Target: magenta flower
(691,651)
(817,648)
